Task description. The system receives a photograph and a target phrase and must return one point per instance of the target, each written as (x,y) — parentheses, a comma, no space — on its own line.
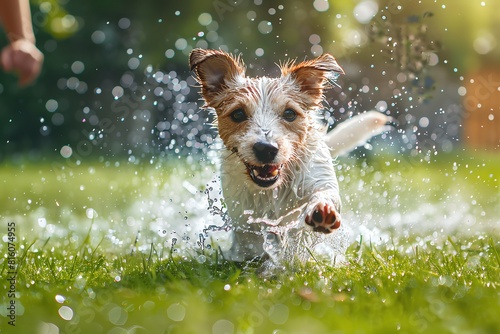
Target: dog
(277,163)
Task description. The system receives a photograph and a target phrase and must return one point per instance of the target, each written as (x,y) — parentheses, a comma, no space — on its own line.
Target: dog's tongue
(267,171)
(264,176)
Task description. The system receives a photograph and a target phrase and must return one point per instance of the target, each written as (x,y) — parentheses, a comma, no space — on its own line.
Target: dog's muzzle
(264,176)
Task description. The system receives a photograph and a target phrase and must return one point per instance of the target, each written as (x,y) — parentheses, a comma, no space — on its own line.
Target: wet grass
(412,283)
(449,287)
(104,186)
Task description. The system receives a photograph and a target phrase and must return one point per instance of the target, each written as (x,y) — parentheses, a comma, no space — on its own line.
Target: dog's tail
(357,131)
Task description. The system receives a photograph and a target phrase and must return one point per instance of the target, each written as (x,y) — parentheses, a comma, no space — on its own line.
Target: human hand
(24,59)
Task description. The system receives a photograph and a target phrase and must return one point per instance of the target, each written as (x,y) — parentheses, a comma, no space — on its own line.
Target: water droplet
(91,213)
(133,63)
(98,37)
(77,67)
(65,312)
(223,326)
(365,11)
(176,312)
(321,5)
(265,27)
(181,44)
(118,316)
(51,105)
(205,19)
(42,222)
(117,92)
(278,314)
(251,15)
(124,23)
(60,299)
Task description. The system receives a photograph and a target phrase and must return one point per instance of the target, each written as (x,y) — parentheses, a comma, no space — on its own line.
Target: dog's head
(265,121)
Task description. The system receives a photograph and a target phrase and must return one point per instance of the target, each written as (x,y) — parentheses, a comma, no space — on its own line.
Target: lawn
(115,247)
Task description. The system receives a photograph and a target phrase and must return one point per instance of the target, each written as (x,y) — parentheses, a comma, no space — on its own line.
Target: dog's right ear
(215,71)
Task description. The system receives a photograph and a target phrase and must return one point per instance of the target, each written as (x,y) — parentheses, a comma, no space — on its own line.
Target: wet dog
(278,156)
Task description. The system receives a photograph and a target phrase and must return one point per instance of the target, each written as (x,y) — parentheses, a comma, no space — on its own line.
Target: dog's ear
(314,75)
(215,71)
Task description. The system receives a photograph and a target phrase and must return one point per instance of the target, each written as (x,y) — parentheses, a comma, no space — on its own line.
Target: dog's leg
(322,196)
(323,214)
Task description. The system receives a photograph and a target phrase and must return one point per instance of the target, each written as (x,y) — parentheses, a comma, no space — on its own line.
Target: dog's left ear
(313,75)
(215,70)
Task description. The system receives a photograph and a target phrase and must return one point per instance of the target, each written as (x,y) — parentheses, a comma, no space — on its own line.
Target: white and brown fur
(278,156)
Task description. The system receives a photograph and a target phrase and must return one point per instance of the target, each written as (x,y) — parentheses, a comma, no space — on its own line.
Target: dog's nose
(265,152)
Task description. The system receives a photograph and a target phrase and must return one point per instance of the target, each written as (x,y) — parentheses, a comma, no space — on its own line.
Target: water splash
(294,241)
(283,241)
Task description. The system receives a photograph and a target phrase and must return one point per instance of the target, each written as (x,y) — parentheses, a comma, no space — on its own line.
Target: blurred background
(93,155)
(116,83)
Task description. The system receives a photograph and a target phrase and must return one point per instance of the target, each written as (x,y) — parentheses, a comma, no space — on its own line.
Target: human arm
(21,55)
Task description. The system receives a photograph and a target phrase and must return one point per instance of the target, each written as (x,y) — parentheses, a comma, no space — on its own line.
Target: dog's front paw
(324,218)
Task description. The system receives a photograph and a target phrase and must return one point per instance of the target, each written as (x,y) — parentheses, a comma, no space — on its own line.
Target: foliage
(115,79)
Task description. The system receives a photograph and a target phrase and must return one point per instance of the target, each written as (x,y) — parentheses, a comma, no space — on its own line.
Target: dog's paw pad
(324,219)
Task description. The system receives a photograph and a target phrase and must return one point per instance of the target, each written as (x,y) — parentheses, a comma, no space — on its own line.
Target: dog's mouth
(264,176)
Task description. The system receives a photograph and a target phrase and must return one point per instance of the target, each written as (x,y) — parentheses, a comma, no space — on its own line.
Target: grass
(82,282)
(434,288)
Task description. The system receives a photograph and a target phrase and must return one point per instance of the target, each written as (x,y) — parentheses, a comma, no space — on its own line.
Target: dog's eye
(289,115)
(238,115)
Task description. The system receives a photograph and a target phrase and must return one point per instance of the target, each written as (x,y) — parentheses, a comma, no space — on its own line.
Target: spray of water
(284,242)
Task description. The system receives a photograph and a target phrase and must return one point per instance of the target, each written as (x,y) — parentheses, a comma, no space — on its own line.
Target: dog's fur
(278,158)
